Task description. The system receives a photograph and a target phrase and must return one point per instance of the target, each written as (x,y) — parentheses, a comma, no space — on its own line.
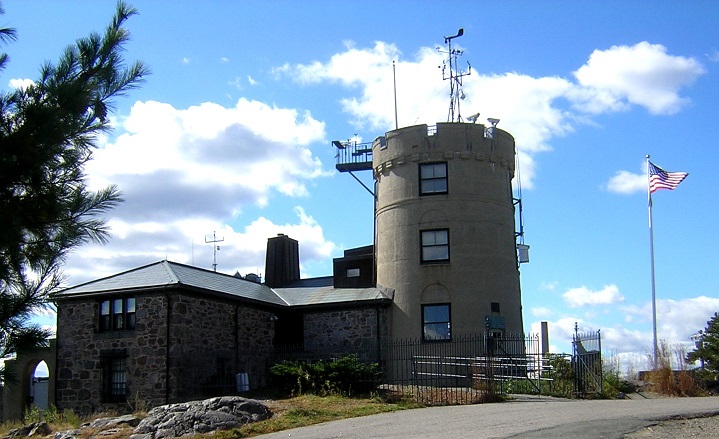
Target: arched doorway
(40,386)
(34,382)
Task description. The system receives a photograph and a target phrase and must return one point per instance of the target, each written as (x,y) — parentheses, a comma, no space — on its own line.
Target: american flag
(661,179)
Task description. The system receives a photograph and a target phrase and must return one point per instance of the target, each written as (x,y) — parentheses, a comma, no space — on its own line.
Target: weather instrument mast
(215,248)
(455,77)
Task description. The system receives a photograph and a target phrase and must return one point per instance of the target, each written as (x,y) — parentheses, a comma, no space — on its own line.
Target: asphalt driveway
(532,417)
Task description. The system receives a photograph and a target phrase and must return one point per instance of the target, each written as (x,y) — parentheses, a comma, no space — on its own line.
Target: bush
(346,375)
(674,383)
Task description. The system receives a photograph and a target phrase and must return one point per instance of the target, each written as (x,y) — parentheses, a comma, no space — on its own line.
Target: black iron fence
(465,369)
(587,362)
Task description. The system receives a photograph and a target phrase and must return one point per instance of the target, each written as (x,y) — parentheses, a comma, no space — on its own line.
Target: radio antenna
(455,77)
(215,248)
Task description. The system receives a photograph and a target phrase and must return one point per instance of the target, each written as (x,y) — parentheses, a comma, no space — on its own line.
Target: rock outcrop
(187,418)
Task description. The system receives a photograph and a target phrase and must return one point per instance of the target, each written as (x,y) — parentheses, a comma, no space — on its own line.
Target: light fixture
(473,118)
(493,121)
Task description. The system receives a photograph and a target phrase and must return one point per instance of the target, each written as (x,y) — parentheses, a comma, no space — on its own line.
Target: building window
(353,272)
(114,379)
(433,178)
(436,324)
(435,245)
(494,307)
(117,314)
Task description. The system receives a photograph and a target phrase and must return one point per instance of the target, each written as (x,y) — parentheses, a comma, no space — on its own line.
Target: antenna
(215,248)
(455,77)
(394,78)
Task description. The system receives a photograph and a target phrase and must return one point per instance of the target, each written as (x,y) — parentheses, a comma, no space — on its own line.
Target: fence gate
(587,362)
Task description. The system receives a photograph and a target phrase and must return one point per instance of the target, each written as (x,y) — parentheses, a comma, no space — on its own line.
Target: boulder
(194,417)
(34,429)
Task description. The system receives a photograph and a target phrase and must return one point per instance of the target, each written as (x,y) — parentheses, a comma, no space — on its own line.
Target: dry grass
(306,410)
(665,381)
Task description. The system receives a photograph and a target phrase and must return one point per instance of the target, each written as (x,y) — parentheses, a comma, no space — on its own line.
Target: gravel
(680,428)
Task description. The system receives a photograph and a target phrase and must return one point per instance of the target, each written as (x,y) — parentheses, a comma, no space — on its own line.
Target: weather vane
(215,247)
(455,77)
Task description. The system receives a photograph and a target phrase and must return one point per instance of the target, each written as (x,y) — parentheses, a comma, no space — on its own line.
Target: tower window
(436,324)
(495,307)
(433,178)
(353,272)
(435,245)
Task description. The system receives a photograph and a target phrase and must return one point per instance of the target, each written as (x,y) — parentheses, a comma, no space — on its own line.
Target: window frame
(433,179)
(117,314)
(426,246)
(114,378)
(426,323)
(353,272)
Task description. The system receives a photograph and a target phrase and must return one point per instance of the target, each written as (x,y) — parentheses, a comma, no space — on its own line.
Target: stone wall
(81,347)
(346,331)
(210,341)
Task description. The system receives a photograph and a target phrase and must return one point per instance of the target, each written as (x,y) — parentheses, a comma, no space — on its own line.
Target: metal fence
(466,369)
(587,362)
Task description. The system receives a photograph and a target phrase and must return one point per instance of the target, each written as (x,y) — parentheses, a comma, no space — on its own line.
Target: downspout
(167,345)
(237,339)
(379,339)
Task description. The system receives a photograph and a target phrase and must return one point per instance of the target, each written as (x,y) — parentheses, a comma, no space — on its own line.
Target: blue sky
(232,133)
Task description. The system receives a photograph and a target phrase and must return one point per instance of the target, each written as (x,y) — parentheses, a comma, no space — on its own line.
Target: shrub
(345,375)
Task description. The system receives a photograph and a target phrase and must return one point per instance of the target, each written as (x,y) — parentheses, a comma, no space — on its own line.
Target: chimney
(282,262)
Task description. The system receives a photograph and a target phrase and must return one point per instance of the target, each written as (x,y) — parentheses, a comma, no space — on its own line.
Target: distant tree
(47,133)
(708,349)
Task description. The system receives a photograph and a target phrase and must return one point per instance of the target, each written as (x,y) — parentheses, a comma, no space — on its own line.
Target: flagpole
(651,256)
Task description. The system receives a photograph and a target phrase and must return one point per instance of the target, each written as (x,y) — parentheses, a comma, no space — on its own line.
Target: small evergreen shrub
(346,375)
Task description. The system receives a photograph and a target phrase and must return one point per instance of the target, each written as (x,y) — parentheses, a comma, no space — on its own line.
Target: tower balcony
(353,156)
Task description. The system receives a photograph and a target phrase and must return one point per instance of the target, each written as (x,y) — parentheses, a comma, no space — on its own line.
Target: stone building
(444,263)
(446,236)
(168,332)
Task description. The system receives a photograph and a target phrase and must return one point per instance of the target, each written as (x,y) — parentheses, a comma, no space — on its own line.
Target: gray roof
(171,274)
(328,295)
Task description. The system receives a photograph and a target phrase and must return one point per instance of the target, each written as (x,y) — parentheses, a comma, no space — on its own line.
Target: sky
(230,136)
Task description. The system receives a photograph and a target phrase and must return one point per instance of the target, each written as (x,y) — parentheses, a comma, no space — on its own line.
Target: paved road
(526,418)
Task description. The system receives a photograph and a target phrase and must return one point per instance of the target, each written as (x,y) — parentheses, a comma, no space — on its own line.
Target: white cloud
(183,240)
(187,172)
(643,74)
(533,109)
(185,60)
(625,182)
(713,56)
(677,320)
(21,84)
(549,286)
(577,297)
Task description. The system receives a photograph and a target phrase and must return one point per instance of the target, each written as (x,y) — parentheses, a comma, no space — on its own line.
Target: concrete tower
(445,230)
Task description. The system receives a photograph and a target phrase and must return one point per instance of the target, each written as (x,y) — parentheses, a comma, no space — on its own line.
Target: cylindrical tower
(446,230)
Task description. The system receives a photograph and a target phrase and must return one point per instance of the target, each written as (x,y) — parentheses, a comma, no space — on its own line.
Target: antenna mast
(455,77)
(215,248)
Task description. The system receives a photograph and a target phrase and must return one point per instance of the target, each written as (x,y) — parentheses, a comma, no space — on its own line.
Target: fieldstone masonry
(194,354)
(346,331)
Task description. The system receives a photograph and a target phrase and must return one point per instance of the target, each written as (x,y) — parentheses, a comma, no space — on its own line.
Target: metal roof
(167,274)
(328,295)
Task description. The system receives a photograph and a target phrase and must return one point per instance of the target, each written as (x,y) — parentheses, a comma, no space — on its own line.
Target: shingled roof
(164,274)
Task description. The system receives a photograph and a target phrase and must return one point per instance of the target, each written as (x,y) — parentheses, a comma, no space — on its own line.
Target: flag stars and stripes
(661,179)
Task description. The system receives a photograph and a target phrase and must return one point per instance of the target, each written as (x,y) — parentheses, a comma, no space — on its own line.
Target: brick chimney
(282,261)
